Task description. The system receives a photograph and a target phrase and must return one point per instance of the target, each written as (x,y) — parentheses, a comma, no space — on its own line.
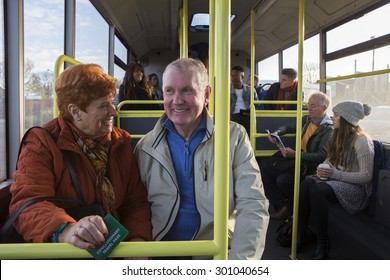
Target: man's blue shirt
(182,152)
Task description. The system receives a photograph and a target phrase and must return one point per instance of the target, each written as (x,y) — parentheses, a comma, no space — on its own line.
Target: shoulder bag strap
(75,180)
(7,226)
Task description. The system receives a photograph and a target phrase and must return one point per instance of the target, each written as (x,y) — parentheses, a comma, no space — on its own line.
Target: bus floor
(343,246)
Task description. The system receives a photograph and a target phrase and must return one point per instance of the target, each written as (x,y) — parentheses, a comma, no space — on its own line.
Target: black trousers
(314,199)
(278,185)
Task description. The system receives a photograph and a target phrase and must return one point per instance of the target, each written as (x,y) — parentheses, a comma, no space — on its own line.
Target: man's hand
(288,152)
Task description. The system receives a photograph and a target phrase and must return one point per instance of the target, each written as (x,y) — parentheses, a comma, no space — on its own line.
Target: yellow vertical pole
(222,117)
(301,38)
(211,68)
(180,33)
(252,120)
(184,29)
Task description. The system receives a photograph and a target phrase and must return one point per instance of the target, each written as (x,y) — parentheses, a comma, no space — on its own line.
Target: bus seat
(382,209)
(137,125)
(262,92)
(379,164)
(272,123)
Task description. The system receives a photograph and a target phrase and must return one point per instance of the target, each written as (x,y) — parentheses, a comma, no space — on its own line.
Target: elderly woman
(101,156)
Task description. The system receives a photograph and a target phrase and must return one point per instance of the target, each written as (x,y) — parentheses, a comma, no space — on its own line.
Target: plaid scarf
(97,152)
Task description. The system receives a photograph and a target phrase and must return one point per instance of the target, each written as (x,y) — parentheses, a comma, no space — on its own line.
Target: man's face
(183,100)
(237,78)
(316,111)
(285,81)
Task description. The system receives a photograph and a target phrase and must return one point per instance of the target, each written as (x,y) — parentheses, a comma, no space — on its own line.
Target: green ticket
(116,233)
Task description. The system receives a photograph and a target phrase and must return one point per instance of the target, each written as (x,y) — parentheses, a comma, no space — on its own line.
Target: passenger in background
(153,79)
(240,98)
(285,89)
(158,94)
(136,87)
(346,177)
(316,131)
(101,156)
(176,161)
(202,50)
(258,88)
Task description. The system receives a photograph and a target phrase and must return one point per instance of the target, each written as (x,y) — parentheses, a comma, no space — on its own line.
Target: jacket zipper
(206,167)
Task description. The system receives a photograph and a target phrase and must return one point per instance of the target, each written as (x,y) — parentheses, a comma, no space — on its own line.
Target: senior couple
(164,191)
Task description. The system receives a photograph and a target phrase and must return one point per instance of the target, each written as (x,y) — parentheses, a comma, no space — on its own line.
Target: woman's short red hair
(80,85)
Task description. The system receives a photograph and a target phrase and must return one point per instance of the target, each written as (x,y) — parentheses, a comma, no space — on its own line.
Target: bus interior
(261,32)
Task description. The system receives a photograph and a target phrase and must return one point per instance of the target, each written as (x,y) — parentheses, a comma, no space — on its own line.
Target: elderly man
(176,161)
(316,132)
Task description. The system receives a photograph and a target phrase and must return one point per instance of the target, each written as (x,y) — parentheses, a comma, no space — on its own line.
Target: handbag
(281,163)
(8,234)
(284,233)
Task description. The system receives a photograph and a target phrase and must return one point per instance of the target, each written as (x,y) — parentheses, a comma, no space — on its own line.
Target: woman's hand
(324,171)
(88,233)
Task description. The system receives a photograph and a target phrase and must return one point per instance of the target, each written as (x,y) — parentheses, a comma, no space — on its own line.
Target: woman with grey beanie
(344,178)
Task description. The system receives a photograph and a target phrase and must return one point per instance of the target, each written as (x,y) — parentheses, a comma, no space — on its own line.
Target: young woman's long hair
(342,141)
(130,84)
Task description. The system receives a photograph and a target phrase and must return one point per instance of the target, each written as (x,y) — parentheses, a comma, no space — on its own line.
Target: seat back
(379,164)
(382,209)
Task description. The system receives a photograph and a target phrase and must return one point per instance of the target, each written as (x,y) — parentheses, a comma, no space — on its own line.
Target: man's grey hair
(324,99)
(196,67)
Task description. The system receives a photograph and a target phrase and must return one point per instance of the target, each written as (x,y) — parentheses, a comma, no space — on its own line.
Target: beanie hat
(352,111)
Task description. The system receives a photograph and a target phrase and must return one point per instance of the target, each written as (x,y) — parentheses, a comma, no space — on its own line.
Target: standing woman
(347,178)
(101,156)
(136,87)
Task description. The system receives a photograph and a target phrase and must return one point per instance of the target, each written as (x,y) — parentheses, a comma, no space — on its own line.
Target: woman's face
(336,120)
(97,119)
(138,75)
(154,81)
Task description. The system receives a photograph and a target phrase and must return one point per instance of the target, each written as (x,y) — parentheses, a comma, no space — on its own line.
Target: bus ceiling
(151,25)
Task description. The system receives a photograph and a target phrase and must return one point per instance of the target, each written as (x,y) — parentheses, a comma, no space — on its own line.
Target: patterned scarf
(286,94)
(97,152)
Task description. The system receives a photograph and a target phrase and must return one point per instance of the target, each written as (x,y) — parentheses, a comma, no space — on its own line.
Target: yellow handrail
(353,76)
(57,68)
